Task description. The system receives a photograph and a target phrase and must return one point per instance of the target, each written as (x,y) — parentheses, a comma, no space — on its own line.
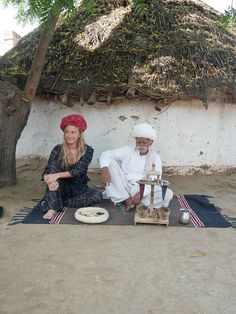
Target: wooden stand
(150,220)
(151,215)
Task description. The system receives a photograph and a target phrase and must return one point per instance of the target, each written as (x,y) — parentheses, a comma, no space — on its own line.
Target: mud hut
(171,64)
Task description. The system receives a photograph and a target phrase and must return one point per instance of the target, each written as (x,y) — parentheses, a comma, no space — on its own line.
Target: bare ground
(120,269)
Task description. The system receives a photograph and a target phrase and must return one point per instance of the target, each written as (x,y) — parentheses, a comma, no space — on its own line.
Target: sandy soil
(120,269)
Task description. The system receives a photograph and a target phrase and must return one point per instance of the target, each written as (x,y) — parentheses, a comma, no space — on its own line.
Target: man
(122,168)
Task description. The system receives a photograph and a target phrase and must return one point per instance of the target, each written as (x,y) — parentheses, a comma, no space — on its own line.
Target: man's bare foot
(49,214)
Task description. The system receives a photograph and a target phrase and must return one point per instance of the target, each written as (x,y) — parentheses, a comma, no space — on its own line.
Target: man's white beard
(142,150)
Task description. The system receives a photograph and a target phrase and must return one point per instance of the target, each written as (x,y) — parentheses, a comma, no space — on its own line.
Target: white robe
(126,167)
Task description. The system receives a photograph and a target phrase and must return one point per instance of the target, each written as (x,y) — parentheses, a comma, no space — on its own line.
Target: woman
(66,170)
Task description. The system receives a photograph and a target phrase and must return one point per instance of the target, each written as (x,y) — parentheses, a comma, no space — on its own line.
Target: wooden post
(152,199)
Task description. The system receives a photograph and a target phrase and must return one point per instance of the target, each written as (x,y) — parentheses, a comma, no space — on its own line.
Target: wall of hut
(190,138)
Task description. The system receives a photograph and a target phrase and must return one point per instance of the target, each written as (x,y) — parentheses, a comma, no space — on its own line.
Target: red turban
(74,119)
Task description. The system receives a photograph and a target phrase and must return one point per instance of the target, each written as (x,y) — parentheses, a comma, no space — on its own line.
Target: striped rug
(196,221)
(203,214)
(57,217)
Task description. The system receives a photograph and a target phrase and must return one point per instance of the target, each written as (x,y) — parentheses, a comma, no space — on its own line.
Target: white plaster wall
(188,135)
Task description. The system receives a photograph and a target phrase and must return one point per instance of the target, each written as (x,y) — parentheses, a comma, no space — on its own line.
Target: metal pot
(184,217)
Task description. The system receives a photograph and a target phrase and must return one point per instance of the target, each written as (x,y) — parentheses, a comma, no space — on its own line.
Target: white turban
(144,130)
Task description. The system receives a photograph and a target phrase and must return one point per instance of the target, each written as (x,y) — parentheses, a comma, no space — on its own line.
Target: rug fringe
(19,217)
(231,220)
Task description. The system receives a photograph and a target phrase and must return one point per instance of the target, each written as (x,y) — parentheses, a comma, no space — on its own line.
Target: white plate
(91,215)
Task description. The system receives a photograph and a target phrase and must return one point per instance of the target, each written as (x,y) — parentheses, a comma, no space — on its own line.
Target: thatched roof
(177,50)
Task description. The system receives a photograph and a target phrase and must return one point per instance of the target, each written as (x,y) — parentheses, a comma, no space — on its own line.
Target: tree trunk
(38,61)
(15,109)
(13,117)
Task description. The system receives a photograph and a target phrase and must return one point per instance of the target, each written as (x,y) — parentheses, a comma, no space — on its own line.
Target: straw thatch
(175,50)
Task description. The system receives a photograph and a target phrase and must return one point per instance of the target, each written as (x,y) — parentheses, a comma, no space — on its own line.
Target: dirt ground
(69,269)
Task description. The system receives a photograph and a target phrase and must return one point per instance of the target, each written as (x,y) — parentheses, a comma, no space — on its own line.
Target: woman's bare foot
(49,214)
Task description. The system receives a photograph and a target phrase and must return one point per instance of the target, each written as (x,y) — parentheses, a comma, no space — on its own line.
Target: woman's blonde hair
(80,147)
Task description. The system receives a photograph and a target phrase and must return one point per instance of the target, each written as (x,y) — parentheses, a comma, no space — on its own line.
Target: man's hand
(105,176)
(136,199)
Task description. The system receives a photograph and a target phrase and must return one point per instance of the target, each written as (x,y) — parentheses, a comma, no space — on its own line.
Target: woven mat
(203,214)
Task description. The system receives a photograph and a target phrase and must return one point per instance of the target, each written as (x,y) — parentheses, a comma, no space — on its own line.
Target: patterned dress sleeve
(79,169)
(53,156)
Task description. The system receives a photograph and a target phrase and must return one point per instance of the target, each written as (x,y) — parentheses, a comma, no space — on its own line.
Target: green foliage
(44,10)
(141,7)
(228,20)
(89,5)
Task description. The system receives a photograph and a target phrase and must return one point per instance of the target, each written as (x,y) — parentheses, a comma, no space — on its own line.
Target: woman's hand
(105,176)
(49,178)
(53,186)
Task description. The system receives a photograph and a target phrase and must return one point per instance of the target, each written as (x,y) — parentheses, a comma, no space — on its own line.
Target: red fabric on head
(74,119)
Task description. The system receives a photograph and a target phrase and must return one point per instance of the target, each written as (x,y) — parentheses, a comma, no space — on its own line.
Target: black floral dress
(72,192)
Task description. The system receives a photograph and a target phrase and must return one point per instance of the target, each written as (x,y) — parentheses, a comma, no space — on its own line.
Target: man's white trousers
(121,189)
